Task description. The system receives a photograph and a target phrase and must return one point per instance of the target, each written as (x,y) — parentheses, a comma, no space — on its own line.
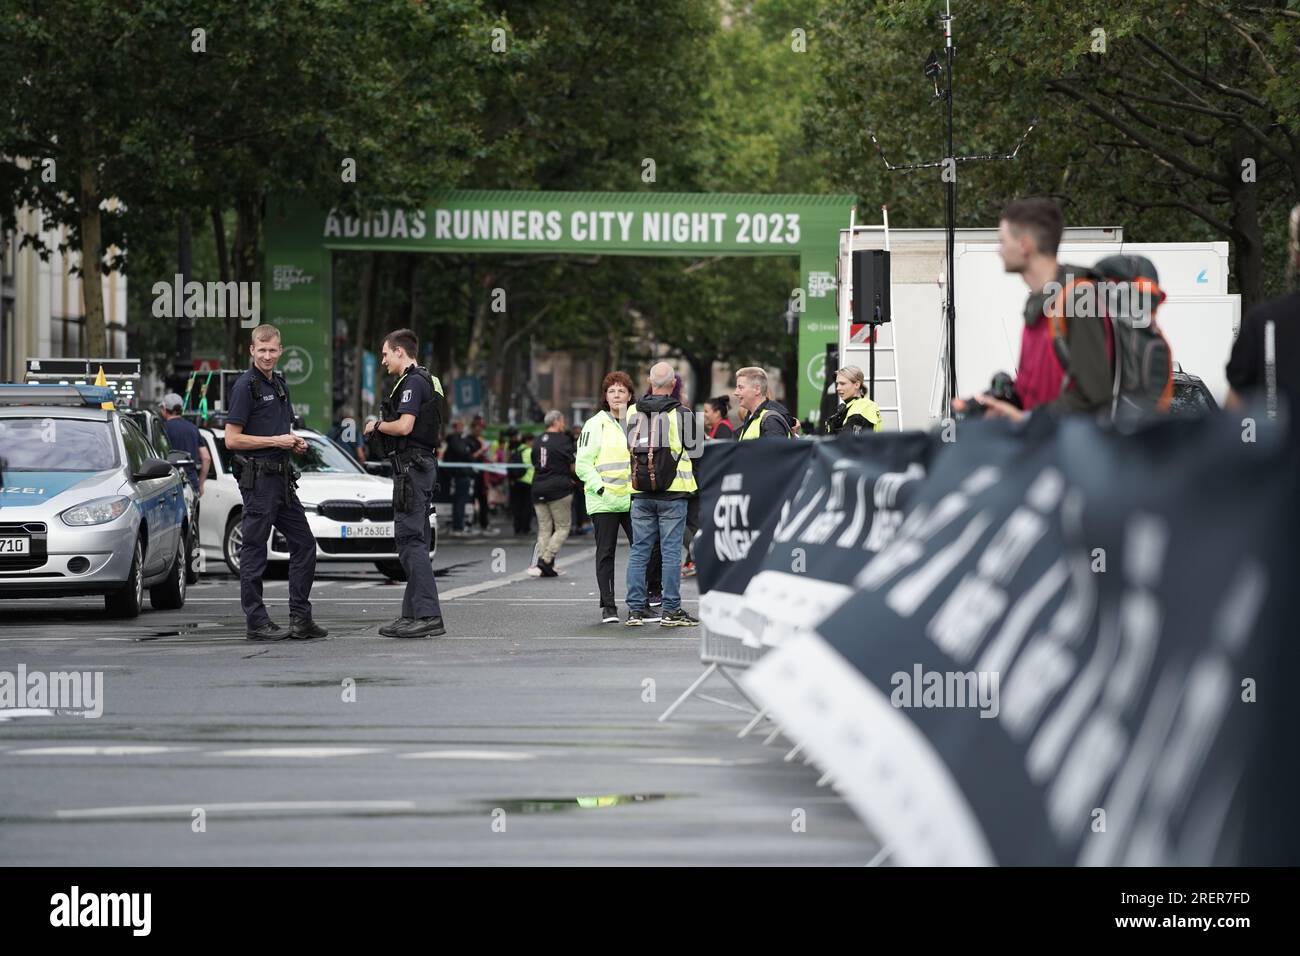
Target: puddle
(185,630)
(376,681)
(448,569)
(557,804)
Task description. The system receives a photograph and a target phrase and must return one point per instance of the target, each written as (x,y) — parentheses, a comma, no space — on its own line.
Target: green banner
(299,238)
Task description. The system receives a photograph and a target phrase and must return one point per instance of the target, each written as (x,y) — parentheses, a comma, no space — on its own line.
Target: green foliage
(1147,134)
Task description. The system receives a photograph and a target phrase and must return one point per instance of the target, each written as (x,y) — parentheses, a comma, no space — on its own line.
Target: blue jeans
(462,493)
(656,521)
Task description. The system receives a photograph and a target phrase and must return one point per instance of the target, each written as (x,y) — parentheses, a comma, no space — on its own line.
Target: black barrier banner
(854,493)
(1069,653)
(849,502)
(743,485)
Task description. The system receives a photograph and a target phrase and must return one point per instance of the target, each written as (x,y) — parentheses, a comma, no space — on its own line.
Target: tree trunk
(96,338)
(1245,220)
(702,373)
(405,267)
(223,272)
(184,360)
(362,330)
(247,224)
(478,314)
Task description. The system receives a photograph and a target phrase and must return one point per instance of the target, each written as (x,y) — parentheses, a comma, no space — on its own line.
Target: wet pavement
(527,735)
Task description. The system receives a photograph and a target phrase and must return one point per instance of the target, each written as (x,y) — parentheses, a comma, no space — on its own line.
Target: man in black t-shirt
(184,436)
(553,457)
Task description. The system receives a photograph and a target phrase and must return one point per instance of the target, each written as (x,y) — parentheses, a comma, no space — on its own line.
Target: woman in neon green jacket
(605,469)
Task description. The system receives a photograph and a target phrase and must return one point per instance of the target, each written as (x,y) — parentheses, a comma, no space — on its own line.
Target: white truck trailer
(1200,319)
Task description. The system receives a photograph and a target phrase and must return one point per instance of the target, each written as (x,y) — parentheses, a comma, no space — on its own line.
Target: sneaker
(535,571)
(392,627)
(656,599)
(635,618)
(688,569)
(547,569)
(678,618)
(609,615)
(651,616)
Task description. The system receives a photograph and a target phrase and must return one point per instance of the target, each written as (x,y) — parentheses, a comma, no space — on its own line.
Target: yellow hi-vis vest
(865,407)
(753,427)
(684,480)
(604,466)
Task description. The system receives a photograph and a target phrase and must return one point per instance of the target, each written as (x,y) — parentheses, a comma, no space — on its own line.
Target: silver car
(87,506)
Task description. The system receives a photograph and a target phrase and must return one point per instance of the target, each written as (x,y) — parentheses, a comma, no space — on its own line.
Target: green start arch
(300,239)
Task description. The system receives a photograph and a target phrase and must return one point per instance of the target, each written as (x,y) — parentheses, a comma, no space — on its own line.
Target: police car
(87,505)
(349,510)
(151,424)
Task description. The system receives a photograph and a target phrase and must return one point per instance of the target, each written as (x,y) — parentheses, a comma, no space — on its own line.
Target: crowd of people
(628,469)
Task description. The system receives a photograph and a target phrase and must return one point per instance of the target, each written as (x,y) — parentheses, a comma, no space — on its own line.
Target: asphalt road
(524,736)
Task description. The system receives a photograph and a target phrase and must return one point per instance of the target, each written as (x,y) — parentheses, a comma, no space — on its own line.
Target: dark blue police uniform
(271,500)
(411,526)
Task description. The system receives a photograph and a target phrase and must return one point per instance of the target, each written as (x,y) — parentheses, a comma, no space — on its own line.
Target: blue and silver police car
(86,504)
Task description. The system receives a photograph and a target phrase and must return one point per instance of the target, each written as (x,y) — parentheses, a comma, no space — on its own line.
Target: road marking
(110,751)
(298,752)
(9,713)
(187,809)
(468,755)
(469,589)
(702,761)
(364,584)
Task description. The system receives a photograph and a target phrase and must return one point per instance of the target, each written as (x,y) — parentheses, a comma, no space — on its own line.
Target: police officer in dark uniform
(408,436)
(259,433)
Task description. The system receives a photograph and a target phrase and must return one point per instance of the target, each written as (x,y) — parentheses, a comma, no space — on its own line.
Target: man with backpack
(660,435)
(1090,342)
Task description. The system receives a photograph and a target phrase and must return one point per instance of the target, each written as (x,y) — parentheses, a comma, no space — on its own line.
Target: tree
(1150,134)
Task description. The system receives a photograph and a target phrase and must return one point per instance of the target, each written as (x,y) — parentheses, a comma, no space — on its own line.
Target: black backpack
(1142,364)
(654,466)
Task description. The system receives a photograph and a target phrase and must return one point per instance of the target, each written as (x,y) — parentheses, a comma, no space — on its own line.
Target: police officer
(411,416)
(259,433)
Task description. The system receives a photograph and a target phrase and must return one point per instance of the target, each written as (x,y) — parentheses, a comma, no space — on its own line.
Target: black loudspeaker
(871,287)
(830,398)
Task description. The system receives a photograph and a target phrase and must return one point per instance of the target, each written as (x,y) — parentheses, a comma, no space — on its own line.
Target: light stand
(932,70)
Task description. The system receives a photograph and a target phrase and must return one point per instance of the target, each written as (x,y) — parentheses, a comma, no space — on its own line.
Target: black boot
(421,627)
(305,629)
(270,631)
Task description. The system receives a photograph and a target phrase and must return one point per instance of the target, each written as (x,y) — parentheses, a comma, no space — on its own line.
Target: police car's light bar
(122,376)
(80,396)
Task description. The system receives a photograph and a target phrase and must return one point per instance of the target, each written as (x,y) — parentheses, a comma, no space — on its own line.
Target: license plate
(373,530)
(15,546)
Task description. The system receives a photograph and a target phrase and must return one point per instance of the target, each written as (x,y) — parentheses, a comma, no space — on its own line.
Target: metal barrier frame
(723,654)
